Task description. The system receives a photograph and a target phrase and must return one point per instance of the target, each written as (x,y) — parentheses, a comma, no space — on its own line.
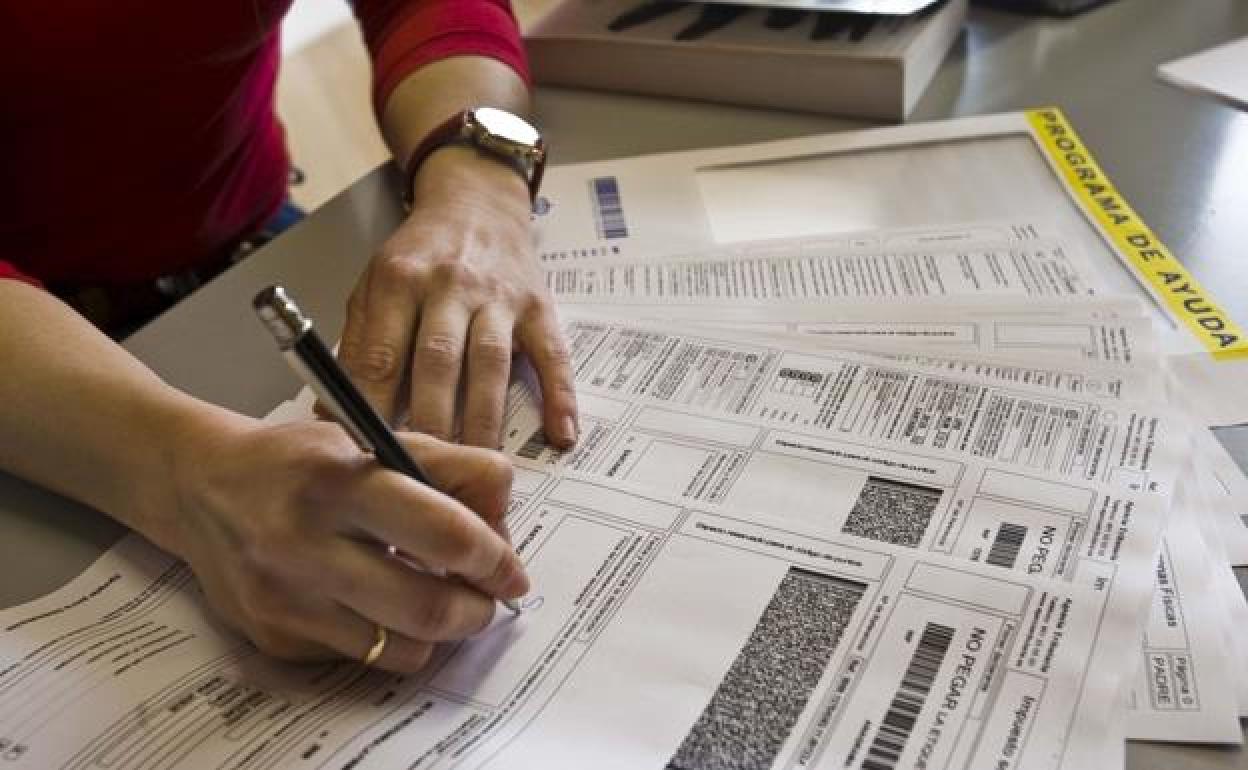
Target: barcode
(903,712)
(892,511)
(814,378)
(608,209)
(533,446)
(750,716)
(1006,545)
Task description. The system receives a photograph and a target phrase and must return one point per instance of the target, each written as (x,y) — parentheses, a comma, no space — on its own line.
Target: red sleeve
(403,35)
(7,270)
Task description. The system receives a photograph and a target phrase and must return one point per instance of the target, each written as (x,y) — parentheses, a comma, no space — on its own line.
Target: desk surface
(1178,158)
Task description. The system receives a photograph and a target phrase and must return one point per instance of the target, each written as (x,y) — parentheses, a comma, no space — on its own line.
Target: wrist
(192,430)
(463,175)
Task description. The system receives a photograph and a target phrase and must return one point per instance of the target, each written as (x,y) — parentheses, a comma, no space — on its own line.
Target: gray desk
(1181,160)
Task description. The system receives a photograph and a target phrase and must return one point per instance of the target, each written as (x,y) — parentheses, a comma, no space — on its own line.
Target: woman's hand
(438,313)
(284,526)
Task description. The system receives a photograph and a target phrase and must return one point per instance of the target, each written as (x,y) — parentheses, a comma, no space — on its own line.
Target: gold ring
(378,647)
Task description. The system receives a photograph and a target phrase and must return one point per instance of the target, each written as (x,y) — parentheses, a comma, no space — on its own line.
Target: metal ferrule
(281,315)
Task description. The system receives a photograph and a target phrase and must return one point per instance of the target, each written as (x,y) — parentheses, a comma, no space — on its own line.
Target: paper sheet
(1182,691)
(1043,344)
(856,397)
(985,169)
(775,272)
(1235,605)
(1221,72)
(632,654)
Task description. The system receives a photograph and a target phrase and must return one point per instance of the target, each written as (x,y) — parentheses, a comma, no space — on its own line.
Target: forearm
(80,415)
(437,90)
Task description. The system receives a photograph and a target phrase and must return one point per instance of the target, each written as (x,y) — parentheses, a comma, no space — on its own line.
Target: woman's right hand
(284,526)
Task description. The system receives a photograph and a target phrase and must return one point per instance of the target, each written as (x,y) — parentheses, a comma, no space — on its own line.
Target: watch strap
(459,129)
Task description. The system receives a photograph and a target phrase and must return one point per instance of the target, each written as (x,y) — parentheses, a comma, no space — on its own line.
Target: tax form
(984,261)
(856,397)
(970,509)
(661,634)
(1054,345)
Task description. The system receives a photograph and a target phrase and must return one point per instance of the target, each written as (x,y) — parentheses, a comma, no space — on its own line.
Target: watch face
(504,125)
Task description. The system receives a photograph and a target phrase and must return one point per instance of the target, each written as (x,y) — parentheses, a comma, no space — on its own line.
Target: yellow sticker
(1182,295)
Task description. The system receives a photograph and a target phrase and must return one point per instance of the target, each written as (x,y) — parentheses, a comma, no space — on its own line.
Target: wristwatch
(497,133)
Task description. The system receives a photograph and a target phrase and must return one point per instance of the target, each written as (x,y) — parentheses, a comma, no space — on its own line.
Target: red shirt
(138,137)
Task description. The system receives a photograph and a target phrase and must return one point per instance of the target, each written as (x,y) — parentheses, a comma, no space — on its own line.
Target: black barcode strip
(608,209)
(1006,545)
(750,717)
(533,447)
(903,712)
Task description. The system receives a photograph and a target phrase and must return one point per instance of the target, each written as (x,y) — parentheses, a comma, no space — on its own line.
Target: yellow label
(1182,295)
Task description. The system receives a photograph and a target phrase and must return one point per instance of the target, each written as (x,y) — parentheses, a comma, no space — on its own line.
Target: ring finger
(418,604)
(354,637)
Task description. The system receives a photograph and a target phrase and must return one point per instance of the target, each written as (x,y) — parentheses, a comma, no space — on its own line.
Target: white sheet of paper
(923,175)
(774,272)
(853,396)
(632,654)
(1182,691)
(1235,605)
(1058,345)
(1221,72)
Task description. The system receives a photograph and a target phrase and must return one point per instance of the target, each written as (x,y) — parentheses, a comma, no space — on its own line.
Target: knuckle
(439,351)
(492,350)
(378,362)
(349,348)
(399,268)
(555,352)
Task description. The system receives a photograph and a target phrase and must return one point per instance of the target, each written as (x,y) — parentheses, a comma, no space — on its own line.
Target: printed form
(1042,344)
(1182,691)
(1030,521)
(1031,264)
(783,284)
(661,634)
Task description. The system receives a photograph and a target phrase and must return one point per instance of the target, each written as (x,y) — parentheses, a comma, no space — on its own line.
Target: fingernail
(516,584)
(569,430)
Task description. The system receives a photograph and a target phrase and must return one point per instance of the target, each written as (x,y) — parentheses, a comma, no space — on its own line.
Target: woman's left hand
(441,308)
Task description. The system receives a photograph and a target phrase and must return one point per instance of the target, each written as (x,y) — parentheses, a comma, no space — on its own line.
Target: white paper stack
(1035,300)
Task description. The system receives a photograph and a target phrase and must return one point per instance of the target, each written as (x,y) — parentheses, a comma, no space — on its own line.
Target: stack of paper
(895,497)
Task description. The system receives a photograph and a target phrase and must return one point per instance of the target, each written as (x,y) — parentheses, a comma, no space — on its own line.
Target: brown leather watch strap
(459,128)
